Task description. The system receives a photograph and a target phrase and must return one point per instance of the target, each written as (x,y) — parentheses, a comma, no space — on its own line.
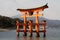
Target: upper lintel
(34,9)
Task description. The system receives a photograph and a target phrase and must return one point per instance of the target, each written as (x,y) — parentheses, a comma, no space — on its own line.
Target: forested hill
(7,22)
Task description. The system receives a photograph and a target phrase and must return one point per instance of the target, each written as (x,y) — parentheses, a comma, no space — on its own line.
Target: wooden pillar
(37,24)
(25,34)
(30,27)
(44,27)
(17,29)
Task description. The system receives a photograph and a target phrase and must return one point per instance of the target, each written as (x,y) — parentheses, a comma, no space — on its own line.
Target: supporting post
(25,34)
(44,27)
(37,25)
(30,27)
(17,30)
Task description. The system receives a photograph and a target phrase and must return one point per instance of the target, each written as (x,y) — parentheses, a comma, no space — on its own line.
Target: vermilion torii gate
(31,11)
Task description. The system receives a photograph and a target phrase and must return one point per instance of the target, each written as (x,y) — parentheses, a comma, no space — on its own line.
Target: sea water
(51,34)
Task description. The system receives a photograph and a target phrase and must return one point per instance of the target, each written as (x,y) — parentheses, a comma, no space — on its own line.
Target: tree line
(7,22)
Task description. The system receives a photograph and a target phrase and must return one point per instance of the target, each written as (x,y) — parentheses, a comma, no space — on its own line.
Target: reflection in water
(37,38)
(30,38)
(44,38)
(17,38)
(24,38)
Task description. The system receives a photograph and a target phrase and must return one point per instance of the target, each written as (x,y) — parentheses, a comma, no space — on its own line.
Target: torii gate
(31,11)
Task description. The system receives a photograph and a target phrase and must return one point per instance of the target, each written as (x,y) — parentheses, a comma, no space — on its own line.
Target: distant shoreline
(4,30)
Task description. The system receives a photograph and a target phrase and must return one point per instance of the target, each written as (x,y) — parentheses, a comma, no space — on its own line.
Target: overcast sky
(8,7)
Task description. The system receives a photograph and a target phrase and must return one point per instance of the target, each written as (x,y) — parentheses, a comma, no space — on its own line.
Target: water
(51,34)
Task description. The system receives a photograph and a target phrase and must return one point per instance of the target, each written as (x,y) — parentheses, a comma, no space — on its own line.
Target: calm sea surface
(51,34)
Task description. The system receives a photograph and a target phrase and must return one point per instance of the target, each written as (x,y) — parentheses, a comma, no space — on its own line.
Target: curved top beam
(34,9)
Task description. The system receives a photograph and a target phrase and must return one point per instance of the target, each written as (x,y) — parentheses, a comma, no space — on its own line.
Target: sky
(8,7)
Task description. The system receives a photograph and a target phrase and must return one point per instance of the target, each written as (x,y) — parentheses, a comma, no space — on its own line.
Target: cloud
(8,7)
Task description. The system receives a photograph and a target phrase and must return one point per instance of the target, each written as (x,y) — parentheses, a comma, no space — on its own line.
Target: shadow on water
(30,38)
